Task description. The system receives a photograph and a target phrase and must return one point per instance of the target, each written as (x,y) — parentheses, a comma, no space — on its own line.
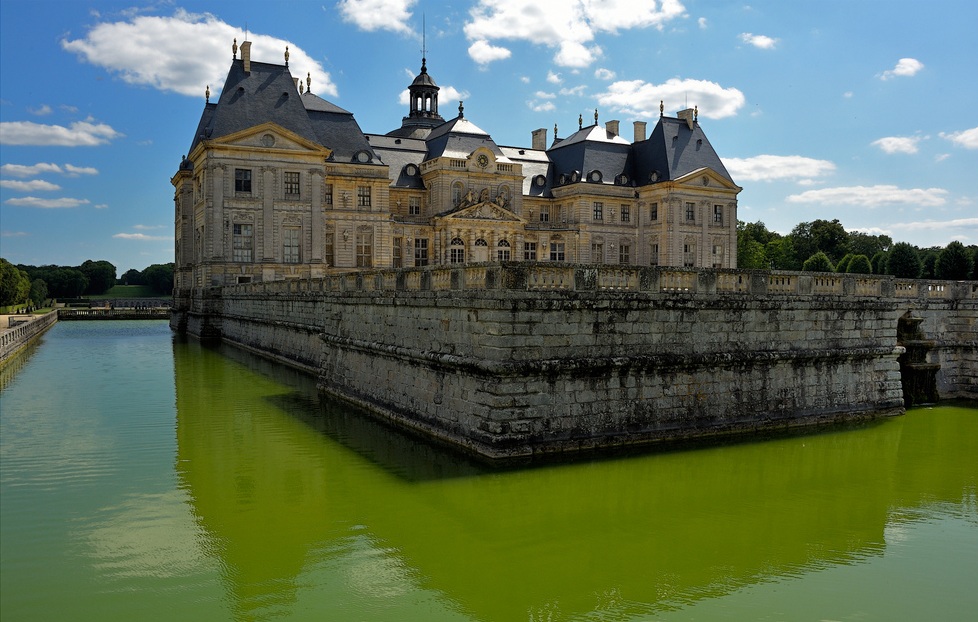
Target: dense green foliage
(819,262)
(952,262)
(859,264)
(101,276)
(15,284)
(132,277)
(878,263)
(904,261)
(843,265)
(159,276)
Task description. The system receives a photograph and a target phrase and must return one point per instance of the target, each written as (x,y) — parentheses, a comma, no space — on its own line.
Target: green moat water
(147,478)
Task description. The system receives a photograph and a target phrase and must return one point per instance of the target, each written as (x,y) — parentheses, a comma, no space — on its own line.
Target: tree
(101,276)
(132,277)
(929,260)
(864,244)
(974,265)
(830,237)
(878,262)
(952,263)
(859,264)
(781,254)
(39,291)
(159,277)
(750,255)
(843,265)
(819,262)
(15,284)
(904,261)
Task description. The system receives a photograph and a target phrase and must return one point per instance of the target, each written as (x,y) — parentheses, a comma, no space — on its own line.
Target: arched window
(456,252)
(481,242)
(457,190)
(503,250)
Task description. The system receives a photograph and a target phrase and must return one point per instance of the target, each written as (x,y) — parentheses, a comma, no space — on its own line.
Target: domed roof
(423,78)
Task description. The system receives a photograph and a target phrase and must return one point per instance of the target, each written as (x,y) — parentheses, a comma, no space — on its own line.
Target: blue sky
(862,111)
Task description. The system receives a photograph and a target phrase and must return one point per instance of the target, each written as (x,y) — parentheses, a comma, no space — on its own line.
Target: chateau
(281,184)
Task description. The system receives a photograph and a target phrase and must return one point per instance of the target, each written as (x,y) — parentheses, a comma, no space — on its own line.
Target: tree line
(32,285)
(825,246)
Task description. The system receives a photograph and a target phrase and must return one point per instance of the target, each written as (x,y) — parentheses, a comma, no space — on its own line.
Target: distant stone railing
(149,313)
(613,278)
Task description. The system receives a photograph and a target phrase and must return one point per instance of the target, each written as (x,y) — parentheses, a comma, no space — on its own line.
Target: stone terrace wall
(13,340)
(514,359)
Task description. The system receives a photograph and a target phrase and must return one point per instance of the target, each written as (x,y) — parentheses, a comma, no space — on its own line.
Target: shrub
(819,262)
(859,265)
(903,261)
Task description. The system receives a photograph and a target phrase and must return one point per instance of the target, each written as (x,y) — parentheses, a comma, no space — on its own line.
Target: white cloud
(34,185)
(848,94)
(576,91)
(546,106)
(41,110)
(372,15)
(483,52)
(74,171)
(641,99)
(47,203)
(184,53)
(898,144)
(873,196)
(941,157)
(525,79)
(759,41)
(965,138)
(545,95)
(554,78)
(702,23)
(604,74)
(931,225)
(148,227)
(22,170)
(567,26)
(79,134)
(142,237)
(773,168)
(904,67)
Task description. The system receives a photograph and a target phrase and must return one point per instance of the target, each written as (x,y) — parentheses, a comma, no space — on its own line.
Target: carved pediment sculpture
(486,210)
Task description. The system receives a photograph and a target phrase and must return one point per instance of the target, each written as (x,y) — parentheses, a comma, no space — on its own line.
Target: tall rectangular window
(398,252)
(328,195)
(626,213)
(291,181)
(329,252)
(624,254)
(598,211)
(545,214)
(689,255)
(653,254)
(556,251)
(421,252)
(529,251)
(717,255)
(718,214)
(363,196)
(654,212)
(365,249)
(414,206)
(242,180)
(690,212)
(241,242)
(597,253)
(290,245)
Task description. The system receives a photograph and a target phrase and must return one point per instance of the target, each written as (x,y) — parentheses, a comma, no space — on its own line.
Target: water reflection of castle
(291,493)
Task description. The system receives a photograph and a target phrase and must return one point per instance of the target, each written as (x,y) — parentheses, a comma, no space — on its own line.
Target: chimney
(687,116)
(611,127)
(246,55)
(540,139)
(295,81)
(639,131)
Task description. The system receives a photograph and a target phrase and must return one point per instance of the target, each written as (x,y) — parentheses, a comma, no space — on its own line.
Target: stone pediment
(707,177)
(270,136)
(486,210)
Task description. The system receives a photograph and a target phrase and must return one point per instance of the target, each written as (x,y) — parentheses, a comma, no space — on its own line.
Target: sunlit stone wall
(516,359)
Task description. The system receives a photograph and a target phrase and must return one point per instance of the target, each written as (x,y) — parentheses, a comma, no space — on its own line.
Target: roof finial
(595,116)
(696,113)
(286,56)
(662,108)
(460,109)
(300,88)
(309,82)
(555,131)
(207,95)
(580,121)
(234,49)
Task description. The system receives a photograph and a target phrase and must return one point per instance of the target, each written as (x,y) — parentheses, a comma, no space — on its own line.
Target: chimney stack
(687,116)
(246,55)
(611,127)
(540,139)
(639,131)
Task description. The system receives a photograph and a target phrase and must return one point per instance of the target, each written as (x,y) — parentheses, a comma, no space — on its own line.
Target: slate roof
(459,137)
(591,149)
(397,153)
(674,150)
(268,94)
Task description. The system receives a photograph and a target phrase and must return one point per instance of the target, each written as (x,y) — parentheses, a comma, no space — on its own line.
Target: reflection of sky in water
(248,498)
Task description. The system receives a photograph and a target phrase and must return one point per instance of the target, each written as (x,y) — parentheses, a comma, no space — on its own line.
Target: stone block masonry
(513,360)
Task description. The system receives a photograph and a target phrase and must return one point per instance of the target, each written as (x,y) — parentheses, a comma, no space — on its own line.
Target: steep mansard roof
(268,94)
(674,150)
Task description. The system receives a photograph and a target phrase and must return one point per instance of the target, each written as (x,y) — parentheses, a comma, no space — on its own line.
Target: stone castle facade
(281,184)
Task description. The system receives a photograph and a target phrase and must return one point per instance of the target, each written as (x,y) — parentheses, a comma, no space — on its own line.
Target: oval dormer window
(563,179)
(540,181)
(594,176)
(654,176)
(623,180)
(575,177)
(411,170)
(362,157)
